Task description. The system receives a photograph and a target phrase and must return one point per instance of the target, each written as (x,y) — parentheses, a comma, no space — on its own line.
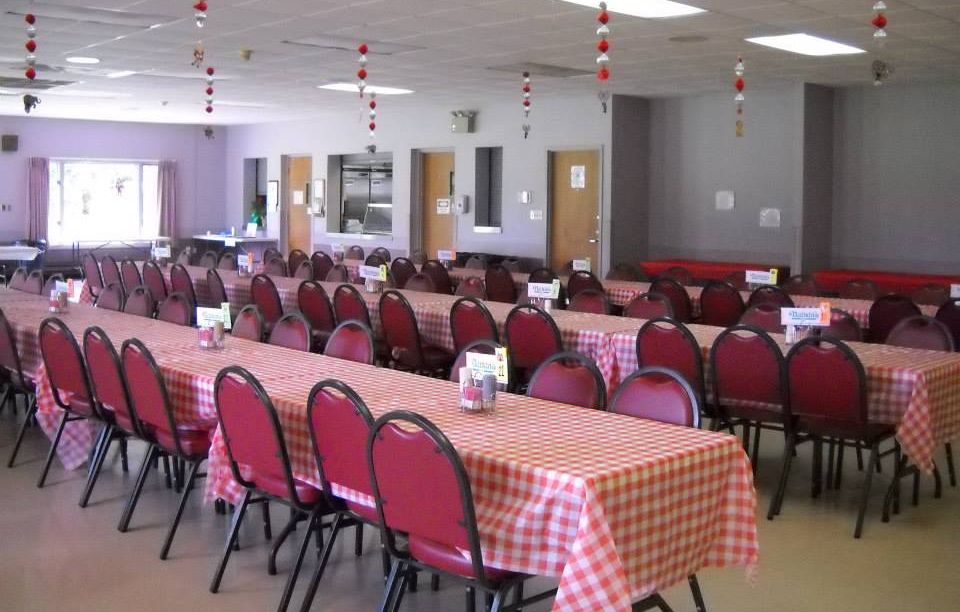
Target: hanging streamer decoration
(526,105)
(31,46)
(200,13)
(603,71)
(739,84)
(209,90)
(879,22)
(362,73)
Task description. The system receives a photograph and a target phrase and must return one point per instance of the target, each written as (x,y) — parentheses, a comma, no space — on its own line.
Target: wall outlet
(536,215)
(6,207)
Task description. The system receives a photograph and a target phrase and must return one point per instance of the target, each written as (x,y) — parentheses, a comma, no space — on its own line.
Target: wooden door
(574,208)
(437,184)
(299,175)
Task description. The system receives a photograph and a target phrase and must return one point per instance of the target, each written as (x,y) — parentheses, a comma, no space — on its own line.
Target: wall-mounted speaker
(9,143)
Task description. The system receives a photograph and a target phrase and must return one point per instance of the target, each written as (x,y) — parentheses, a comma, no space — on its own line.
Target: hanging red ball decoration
(738,99)
(209,91)
(209,109)
(603,45)
(363,48)
(880,21)
(603,74)
(29,18)
(604,16)
(30,73)
(362,73)
(372,126)
(739,84)
(526,105)
(373,104)
(200,6)
(210,71)
(31,45)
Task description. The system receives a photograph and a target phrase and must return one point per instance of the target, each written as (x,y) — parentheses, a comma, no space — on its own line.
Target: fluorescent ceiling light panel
(352,87)
(119,74)
(804,44)
(648,9)
(86,61)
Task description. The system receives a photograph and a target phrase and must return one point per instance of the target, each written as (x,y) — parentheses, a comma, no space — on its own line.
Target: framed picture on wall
(273,194)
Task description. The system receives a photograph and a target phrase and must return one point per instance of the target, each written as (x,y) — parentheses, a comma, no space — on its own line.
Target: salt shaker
(489,397)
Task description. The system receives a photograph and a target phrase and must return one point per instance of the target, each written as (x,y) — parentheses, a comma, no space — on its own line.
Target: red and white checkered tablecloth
(615,507)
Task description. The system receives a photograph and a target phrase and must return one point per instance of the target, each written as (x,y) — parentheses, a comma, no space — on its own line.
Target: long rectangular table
(616,507)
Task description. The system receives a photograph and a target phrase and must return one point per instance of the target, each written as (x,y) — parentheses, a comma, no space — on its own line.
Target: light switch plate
(525,197)
(536,215)
(769,217)
(725,200)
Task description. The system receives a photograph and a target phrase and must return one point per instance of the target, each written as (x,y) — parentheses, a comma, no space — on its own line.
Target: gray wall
(630,180)
(897,187)
(818,178)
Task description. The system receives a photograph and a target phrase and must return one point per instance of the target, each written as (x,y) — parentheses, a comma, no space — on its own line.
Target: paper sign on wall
(447,255)
(955,291)
(581,265)
(762,277)
(161,252)
(496,364)
(443,206)
(378,273)
(243,261)
(806,317)
(578,177)
(251,231)
(544,291)
(229,242)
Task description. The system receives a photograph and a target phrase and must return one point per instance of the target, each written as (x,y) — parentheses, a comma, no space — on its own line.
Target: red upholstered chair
(355,252)
(531,336)
(140,303)
(949,315)
(175,309)
(420,282)
(476,262)
(932,294)
(227,261)
(383,253)
(349,305)
(440,530)
(316,307)
(770,294)
(19,278)
(304,271)
(542,275)
(500,285)
(569,378)
(111,297)
(657,394)
(165,434)
(765,316)
(801,284)
(441,278)
(922,333)
(51,283)
(154,281)
(130,275)
(110,271)
(352,341)
(338,274)
(291,331)
(738,280)
(720,304)
(828,399)
(512,264)
(321,265)
(295,258)
(17,383)
(471,321)
(91,274)
(886,312)
(408,351)
(486,347)
(374,260)
(34,283)
(180,282)
(581,280)
(648,306)
(68,378)
(209,260)
(264,294)
(248,324)
(667,343)
(624,272)
(275,266)
(842,327)
(678,274)
(678,296)
(472,286)
(216,290)
(260,463)
(859,289)
(270,253)
(590,301)
(401,270)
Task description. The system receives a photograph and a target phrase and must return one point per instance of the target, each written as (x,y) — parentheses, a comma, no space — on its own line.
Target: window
(103,200)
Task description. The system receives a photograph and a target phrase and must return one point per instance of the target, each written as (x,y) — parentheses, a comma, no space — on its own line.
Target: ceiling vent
(541,70)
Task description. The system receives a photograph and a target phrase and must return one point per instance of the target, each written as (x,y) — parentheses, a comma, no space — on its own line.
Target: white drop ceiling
(442,49)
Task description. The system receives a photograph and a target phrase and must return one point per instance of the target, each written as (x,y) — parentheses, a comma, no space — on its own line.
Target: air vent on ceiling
(37,84)
(87,14)
(541,70)
(342,43)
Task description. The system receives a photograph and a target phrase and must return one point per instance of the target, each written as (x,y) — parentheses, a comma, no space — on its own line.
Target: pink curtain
(38,198)
(168,198)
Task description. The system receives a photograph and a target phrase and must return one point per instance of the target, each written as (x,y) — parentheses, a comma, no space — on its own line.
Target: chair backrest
(339,423)
(352,341)
(923,333)
(801,284)
(886,312)
(859,289)
(215,288)
(770,294)
(400,329)
(383,253)
(51,283)
(446,518)
(227,261)
(738,280)
(949,315)
(420,282)
(337,274)
(303,271)
(91,273)
(500,285)
(931,294)
(110,270)
(720,304)
(208,260)
(531,335)
(765,315)
(648,306)
(107,383)
(401,270)
(291,331)
(176,309)
(657,394)
(270,252)
(111,297)
(321,265)
(542,275)
(149,399)
(569,378)
(349,305)
(512,264)
(580,280)
(315,305)
(827,383)
(374,260)
(66,370)
(591,301)
(441,278)
(843,326)
(252,433)
(472,286)
(248,324)
(486,347)
(624,272)
(265,295)
(153,279)
(18,278)
(418,257)
(476,262)
(9,356)
(180,282)
(355,252)
(678,274)
(130,275)
(34,283)
(678,296)
(275,266)
(747,369)
(470,320)
(140,303)
(667,343)
(295,258)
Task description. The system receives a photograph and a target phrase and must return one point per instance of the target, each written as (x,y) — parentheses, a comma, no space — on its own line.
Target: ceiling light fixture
(354,88)
(647,9)
(805,44)
(81,59)
(119,74)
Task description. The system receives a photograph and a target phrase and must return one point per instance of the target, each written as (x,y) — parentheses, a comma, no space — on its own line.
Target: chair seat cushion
(81,407)
(367,513)
(194,438)
(450,559)
(869,433)
(277,486)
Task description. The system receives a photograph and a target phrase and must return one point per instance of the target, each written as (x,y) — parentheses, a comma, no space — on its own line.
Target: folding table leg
(53,451)
(697,594)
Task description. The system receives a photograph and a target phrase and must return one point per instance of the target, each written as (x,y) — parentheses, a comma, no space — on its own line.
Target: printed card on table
(207,317)
(446,255)
(243,261)
(806,317)
(482,364)
(581,265)
(544,291)
(762,277)
(378,273)
(955,291)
